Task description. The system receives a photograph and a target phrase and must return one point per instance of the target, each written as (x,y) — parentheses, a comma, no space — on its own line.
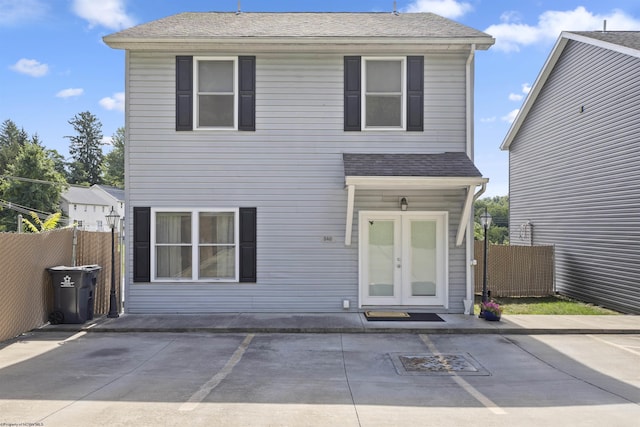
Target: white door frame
(402,264)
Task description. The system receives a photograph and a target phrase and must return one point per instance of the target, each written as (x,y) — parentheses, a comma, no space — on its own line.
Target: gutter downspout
(468,301)
(469,99)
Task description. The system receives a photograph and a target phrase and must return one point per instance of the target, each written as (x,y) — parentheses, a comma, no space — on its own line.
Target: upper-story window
(383,104)
(215,93)
(215,103)
(384,93)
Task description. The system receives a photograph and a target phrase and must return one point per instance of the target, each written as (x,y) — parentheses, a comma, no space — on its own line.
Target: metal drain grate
(437,364)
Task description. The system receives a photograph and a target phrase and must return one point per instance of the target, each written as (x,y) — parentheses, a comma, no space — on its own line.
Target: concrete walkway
(355,323)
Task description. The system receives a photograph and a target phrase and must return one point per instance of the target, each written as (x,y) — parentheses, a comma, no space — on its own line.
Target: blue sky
(53,63)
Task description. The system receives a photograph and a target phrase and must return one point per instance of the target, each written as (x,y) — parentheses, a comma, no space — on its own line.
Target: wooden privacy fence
(26,292)
(516,271)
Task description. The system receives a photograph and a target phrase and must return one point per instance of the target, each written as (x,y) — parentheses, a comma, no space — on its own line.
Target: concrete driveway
(143,379)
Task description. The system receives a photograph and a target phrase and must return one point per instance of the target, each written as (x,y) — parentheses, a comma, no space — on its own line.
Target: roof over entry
(411,171)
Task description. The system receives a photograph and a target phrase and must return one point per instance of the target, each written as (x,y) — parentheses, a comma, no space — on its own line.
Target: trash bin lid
(88,267)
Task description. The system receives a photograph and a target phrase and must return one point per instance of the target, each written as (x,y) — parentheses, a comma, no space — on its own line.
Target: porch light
(404,204)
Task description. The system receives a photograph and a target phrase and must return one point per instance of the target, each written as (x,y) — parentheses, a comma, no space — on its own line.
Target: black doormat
(411,317)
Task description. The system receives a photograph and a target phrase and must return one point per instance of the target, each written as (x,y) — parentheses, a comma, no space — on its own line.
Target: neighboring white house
(574,167)
(88,206)
(299,162)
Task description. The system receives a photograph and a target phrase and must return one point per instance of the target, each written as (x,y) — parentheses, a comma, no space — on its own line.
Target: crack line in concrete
(208,387)
(346,376)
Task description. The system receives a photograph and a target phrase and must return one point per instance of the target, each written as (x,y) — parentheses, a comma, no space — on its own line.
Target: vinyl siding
(290,169)
(576,175)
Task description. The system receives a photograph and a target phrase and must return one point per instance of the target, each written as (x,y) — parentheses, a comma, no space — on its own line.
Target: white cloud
(526,88)
(15,12)
(107,13)
(30,67)
(447,8)
(113,103)
(107,140)
(511,34)
(488,119)
(509,118)
(69,93)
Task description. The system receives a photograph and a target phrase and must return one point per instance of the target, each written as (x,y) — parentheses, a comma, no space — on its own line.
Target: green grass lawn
(545,305)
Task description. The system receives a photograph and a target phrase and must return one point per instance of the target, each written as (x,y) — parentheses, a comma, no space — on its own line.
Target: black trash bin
(74,290)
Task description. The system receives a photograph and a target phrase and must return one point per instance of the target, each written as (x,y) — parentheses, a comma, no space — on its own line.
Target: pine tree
(113,164)
(11,140)
(86,149)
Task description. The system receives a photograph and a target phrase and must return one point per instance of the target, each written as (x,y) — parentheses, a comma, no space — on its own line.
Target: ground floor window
(195,245)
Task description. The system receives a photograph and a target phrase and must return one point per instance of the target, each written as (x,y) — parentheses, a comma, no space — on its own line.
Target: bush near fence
(26,292)
(515,271)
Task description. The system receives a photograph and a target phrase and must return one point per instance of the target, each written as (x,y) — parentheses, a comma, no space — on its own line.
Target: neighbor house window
(383,103)
(195,245)
(215,103)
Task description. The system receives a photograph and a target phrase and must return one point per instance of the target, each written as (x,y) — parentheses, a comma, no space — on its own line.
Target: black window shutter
(184,93)
(415,93)
(352,93)
(141,244)
(247,93)
(248,252)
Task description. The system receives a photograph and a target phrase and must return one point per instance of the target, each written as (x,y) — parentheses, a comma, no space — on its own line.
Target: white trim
(351,190)
(196,110)
(466,214)
(403,94)
(402,239)
(413,183)
(301,44)
(195,246)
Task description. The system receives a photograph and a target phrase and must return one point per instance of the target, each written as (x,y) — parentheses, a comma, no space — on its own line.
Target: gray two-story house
(309,162)
(574,167)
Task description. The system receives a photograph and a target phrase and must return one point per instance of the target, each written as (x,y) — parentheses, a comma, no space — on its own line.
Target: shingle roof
(116,193)
(286,25)
(424,165)
(630,39)
(83,195)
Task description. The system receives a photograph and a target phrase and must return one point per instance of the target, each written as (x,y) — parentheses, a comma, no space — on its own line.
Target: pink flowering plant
(492,307)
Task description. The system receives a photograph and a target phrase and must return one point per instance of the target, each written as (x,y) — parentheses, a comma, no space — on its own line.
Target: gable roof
(84,196)
(208,27)
(625,42)
(116,193)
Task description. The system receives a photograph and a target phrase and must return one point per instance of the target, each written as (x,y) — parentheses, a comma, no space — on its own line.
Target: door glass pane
(423,258)
(381,262)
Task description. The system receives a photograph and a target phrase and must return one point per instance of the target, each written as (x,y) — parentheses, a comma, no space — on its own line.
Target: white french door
(403,258)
